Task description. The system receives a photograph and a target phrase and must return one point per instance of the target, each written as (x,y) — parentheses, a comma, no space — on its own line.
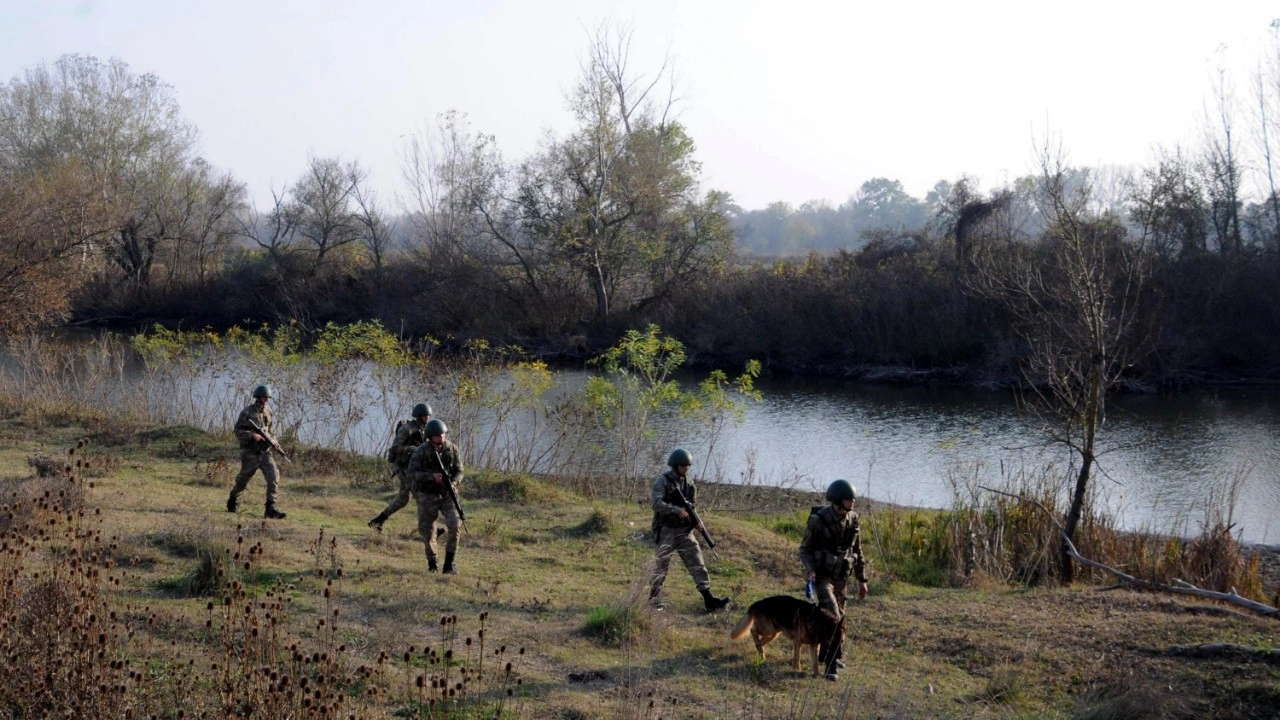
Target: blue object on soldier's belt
(808,589)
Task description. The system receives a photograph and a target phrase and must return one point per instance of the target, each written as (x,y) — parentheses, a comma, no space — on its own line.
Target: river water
(1166,459)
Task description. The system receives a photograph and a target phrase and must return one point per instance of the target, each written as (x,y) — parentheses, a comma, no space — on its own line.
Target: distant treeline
(879,206)
(108,216)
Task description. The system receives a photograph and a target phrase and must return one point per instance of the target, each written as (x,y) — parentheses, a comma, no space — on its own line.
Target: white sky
(787,100)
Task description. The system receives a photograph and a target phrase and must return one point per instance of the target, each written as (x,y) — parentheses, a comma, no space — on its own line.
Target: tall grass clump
(77,652)
(1011,534)
(615,625)
(85,653)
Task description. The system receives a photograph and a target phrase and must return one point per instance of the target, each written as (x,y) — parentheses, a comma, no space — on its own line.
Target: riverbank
(560,580)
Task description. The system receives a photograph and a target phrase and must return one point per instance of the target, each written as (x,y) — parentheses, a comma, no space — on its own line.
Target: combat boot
(449,568)
(273,514)
(376,523)
(232,503)
(655,598)
(712,602)
(432,565)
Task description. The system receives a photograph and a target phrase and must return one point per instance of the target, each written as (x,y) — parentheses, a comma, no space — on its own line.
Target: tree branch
(1180,587)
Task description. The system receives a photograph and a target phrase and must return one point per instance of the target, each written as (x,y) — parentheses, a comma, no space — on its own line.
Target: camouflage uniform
(409,435)
(674,534)
(831,550)
(433,499)
(255,455)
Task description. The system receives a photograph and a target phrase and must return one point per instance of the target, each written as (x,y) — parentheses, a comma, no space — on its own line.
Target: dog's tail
(743,628)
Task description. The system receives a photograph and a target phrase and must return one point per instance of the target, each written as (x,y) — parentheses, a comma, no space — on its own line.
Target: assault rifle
(275,445)
(448,487)
(697,521)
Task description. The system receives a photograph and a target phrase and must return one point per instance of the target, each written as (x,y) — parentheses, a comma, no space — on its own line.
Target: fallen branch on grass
(1224,649)
(1179,588)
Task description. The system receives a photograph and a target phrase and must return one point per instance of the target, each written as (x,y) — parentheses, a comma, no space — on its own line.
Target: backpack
(391,451)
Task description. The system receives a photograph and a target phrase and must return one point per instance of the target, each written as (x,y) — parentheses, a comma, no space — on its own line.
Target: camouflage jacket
(409,435)
(666,503)
(258,414)
(832,545)
(426,461)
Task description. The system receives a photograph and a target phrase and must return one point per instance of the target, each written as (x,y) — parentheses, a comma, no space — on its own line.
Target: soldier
(252,429)
(409,435)
(673,531)
(435,471)
(830,551)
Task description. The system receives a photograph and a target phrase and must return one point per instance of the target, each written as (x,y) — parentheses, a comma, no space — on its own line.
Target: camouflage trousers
(250,462)
(679,540)
(402,498)
(430,507)
(832,597)
(830,594)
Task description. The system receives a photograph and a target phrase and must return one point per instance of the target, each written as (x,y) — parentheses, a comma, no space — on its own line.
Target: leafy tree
(125,132)
(638,383)
(617,201)
(47,222)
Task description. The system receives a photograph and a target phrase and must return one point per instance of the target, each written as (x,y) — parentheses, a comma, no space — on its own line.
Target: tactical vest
(672,497)
(833,558)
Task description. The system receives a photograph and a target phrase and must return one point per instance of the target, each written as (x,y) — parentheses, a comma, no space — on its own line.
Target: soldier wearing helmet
(431,465)
(831,551)
(673,531)
(255,452)
(409,435)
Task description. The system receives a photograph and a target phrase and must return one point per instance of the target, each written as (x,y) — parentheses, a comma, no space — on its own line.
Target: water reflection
(1163,456)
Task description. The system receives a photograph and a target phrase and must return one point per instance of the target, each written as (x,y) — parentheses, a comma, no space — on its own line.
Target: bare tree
(274,230)
(376,231)
(461,206)
(1167,202)
(1267,95)
(324,208)
(1222,168)
(1076,299)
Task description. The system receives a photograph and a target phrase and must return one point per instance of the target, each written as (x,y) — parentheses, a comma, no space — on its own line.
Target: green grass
(560,581)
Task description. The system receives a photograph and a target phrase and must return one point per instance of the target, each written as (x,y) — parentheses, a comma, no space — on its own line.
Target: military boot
(432,565)
(712,602)
(449,568)
(376,523)
(232,503)
(273,514)
(655,598)
(830,659)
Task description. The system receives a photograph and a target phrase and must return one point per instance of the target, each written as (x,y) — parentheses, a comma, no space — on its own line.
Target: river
(1164,456)
(1166,459)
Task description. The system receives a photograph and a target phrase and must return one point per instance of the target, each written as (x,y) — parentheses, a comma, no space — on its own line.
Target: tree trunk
(1093,413)
(602,294)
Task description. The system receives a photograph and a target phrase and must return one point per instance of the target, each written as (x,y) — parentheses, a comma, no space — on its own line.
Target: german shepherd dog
(804,623)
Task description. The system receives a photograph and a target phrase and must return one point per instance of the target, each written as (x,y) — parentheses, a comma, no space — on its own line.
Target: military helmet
(841,490)
(679,456)
(422,410)
(262,391)
(436,427)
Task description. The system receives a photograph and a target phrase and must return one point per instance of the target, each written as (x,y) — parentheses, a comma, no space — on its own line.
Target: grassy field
(132,574)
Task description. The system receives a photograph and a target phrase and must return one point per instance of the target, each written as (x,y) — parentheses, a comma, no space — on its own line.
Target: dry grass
(165,602)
